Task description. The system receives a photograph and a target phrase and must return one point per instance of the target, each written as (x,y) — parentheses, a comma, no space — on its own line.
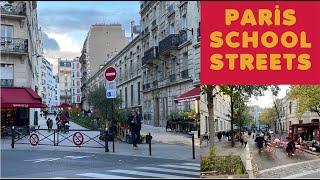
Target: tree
(267,116)
(102,105)
(209,91)
(308,97)
(238,92)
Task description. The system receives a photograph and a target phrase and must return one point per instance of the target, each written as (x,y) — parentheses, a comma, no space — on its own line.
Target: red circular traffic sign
(110,73)
(34,139)
(77,138)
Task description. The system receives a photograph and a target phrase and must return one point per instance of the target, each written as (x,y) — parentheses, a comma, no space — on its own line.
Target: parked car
(270,131)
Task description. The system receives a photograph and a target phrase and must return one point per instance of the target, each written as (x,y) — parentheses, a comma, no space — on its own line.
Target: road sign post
(111,89)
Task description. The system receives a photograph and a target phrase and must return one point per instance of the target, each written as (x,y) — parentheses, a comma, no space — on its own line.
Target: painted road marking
(192,164)
(77,157)
(43,160)
(98,175)
(302,174)
(286,165)
(145,173)
(179,166)
(170,170)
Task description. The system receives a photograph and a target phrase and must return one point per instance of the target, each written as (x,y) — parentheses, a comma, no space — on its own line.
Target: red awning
(192,95)
(64,105)
(12,97)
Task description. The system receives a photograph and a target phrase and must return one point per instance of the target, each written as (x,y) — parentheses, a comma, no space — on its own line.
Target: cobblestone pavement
(276,164)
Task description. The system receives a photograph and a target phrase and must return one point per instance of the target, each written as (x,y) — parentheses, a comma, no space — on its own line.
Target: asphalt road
(61,164)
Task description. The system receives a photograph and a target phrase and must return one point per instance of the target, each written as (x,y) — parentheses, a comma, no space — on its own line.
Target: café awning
(192,95)
(16,97)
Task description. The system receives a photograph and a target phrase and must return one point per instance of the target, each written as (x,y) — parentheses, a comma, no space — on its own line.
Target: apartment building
(103,42)
(48,85)
(288,115)
(128,81)
(21,51)
(76,82)
(221,110)
(170,40)
(65,83)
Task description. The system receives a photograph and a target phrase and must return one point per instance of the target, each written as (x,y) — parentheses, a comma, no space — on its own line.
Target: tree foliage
(308,97)
(103,106)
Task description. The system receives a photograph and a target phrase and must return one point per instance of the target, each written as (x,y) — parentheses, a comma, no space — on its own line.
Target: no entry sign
(110,73)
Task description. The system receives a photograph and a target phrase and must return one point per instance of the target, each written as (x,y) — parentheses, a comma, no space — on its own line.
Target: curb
(249,166)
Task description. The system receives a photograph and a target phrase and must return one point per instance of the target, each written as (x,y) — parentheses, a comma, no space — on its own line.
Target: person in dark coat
(134,124)
(140,120)
(260,141)
(219,136)
(291,147)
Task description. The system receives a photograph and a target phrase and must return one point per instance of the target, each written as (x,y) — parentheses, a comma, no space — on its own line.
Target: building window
(183,22)
(78,83)
(6,32)
(6,72)
(132,95)
(171,28)
(126,97)
(139,100)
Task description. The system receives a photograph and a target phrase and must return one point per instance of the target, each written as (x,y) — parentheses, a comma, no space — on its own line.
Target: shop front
(308,131)
(15,106)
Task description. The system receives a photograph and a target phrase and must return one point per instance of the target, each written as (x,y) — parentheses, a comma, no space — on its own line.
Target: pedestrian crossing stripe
(183,170)
(106,176)
(141,173)
(180,166)
(169,170)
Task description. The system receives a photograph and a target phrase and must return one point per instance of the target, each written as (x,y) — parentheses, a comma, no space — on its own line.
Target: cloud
(49,43)
(66,43)
(71,19)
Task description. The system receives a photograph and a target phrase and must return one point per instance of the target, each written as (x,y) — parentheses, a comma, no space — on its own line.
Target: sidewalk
(165,145)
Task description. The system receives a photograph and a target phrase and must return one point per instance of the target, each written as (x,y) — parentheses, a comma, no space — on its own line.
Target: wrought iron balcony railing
(17,9)
(14,45)
(169,43)
(150,54)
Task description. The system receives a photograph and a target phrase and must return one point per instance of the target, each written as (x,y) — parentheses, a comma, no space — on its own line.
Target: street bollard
(113,143)
(193,151)
(13,134)
(54,137)
(106,136)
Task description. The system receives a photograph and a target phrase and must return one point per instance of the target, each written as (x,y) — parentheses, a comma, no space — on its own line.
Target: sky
(267,99)
(66,24)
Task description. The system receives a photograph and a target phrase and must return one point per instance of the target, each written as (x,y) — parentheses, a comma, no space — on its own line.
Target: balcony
(14,45)
(13,10)
(169,43)
(150,55)
(172,78)
(184,74)
(146,86)
(145,32)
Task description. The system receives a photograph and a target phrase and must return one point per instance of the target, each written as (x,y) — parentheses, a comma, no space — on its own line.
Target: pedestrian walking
(245,139)
(47,122)
(50,124)
(139,115)
(291,148)
(260,140)
(219,136)
(223,134)
(134,124)
(241,140)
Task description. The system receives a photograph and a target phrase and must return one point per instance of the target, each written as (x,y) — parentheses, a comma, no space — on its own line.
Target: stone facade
(76,82)
(171,61)
(221,105)
(21,47)
(102,43)
(289,117)
(64,71)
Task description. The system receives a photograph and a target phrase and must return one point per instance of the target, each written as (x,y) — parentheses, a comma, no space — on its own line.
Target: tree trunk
(211,115)
(232,119)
